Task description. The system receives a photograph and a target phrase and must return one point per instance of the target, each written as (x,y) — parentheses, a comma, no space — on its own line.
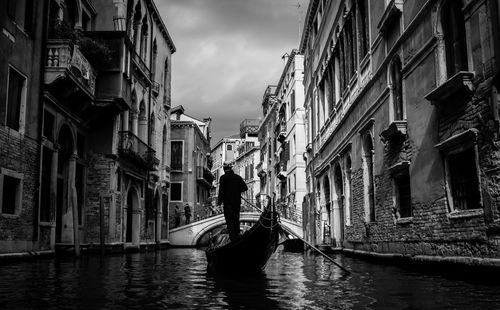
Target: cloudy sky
(228,51)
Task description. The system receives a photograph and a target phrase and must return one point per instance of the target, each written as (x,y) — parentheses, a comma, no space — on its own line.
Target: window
(177,155)
(292,102)
(229,147)
(164,145)
(48,125)
(363,27)
(16,98)
(463,180)
(21,12)
(403,194)
(11,192)
(453,24)
(396,88)
(176,191)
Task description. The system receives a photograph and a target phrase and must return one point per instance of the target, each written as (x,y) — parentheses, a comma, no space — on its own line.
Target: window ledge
(461,80)
(404,220)
(397,129)
(463,214)
(10,216)
(392,11)
(459,140)
(399,168)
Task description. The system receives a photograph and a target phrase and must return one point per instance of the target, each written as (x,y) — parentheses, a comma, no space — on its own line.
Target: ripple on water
(178,279)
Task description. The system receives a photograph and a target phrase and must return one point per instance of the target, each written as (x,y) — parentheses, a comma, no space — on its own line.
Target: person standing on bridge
(231,186)
(187,213)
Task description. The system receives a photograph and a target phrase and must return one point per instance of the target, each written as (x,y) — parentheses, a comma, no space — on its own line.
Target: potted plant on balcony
(96,51)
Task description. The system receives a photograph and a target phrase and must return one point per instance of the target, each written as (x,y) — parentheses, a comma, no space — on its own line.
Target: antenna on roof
(299,15)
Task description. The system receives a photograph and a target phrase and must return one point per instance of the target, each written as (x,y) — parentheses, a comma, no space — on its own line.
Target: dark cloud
(228,51)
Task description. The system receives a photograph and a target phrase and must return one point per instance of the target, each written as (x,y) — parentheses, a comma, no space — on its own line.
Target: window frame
(19,192)
(181,191)
(172,155)
(22,100)
(457,144)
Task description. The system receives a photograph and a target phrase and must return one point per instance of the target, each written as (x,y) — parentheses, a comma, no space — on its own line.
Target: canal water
(177,279)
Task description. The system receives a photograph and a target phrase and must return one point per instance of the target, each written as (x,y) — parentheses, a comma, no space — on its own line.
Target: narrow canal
(177,279)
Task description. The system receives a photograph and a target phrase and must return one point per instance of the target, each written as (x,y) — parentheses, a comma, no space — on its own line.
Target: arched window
(368,178)
(144,38)
(143,122)
(153,61)
(348,190)
(165,83)
(363,28)
(152,131)
(396,88)
(452,21)
(137,24)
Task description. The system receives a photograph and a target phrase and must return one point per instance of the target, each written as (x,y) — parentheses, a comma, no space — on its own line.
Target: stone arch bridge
(189,235)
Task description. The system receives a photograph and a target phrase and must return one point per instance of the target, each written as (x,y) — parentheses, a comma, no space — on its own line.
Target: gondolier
(231,187)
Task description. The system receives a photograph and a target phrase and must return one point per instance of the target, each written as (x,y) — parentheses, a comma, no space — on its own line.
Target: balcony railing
(63,58)
(141,67)
(204,175)
(136,150)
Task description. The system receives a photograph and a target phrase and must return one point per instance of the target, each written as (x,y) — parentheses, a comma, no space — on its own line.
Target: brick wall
(21,156)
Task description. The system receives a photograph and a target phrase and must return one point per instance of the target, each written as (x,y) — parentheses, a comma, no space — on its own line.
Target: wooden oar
(309,244)
(314,248)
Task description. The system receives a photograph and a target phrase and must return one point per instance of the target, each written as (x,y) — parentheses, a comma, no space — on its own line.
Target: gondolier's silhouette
(231,186)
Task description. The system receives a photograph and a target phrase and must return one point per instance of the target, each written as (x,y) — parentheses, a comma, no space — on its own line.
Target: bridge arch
(190,235)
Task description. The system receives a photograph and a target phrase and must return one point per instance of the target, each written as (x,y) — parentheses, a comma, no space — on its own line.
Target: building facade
(268,144)
(23,24)
(224,151)
(247,158)
(103,125)
(402,122)
(191,164)
(290,133)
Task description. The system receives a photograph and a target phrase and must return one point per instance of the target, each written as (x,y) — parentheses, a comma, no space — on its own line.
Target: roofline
(163,28)
(291,58)
(313,5)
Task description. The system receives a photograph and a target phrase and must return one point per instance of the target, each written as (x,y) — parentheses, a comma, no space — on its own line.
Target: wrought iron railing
(204,174)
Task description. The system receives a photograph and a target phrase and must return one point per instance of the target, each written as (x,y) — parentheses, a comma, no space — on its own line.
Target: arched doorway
(132,217)
(327,212)
(339,209)
(65,186)
(368,178)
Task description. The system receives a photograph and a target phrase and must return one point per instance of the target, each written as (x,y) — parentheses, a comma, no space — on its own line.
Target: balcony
(282,132)
(134,149)
(66,63)
(249,127)
(141,68)
(204,176)
(394,132)
(461,82)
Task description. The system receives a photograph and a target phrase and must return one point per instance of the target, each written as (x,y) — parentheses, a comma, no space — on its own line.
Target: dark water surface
(177,279)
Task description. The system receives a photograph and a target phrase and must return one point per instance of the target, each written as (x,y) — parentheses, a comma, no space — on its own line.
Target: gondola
(250,252)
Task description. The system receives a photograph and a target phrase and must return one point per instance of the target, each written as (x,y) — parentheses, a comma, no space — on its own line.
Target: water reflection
(178,279)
